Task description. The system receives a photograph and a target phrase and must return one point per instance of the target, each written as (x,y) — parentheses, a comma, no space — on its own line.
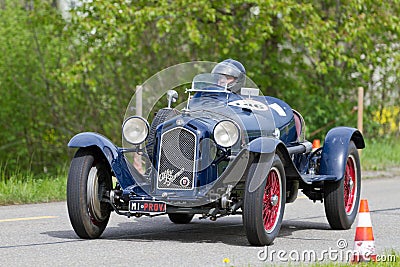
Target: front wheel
(89,179)
(342,197)
(263,208)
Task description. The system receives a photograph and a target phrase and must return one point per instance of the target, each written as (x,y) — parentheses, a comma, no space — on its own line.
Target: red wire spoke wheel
(271,200)
(342,197)
(350,184)
(263,207)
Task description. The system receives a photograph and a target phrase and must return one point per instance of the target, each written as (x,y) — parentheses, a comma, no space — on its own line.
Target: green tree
(59,77)
(31,50)
(313,54)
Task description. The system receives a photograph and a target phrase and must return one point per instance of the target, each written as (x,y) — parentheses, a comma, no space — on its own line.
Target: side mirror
(172,96)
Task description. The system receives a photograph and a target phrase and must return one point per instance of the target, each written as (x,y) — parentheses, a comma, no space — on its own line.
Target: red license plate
(147,206)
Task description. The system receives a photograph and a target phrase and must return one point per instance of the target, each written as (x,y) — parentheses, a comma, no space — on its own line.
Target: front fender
(88,139)
(263,145)
(123,170)
(335,150)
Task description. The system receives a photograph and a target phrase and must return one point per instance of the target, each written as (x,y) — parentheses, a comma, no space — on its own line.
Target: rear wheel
(89,179)
(342,197)
(263,209)
(180,218)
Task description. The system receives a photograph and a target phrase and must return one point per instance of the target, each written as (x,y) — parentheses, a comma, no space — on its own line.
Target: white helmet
(234,68)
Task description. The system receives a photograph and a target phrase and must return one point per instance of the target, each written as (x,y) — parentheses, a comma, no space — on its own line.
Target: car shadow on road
(229,232)
(291,226)
(61,234)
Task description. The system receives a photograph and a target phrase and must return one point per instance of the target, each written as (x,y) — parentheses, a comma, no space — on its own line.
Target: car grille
(176,165)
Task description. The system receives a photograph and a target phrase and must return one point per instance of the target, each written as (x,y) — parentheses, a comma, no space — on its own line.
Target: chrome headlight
(226,133)
(135,130)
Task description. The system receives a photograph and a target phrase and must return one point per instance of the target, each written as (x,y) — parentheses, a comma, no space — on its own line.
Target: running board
(312,178)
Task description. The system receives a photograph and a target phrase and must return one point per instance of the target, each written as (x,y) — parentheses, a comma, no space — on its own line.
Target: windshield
(207,92)
(209,82)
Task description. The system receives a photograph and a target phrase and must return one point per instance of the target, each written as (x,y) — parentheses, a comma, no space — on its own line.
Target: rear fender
(122,169)
(335,150)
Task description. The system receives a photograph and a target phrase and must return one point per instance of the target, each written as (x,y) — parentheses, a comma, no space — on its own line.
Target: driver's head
(234,72)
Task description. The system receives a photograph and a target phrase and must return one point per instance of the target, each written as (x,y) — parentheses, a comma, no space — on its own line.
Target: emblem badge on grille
(184,182)
(167,177)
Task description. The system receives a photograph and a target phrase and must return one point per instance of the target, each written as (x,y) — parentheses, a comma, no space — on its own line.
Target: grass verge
(381,155)
(24,187)
(391,258)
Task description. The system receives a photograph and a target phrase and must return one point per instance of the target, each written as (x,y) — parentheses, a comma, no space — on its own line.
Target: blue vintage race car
(219,153)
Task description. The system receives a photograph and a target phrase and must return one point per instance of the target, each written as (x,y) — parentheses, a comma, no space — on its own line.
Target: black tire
(255,206)
(89,178)
(180,218)
(161,116)
(339,215)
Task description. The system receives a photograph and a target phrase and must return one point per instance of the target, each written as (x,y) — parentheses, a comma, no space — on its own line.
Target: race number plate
(147,206)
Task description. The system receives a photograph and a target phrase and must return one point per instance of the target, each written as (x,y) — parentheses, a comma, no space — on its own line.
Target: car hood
(253,116)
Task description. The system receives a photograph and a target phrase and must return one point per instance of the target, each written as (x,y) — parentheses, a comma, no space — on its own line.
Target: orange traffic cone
(364,244)
(316,144)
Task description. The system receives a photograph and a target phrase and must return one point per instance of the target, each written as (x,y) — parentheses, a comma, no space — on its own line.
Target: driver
(234,72)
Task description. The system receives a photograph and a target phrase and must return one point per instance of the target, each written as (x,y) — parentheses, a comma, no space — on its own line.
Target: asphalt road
(41,235)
